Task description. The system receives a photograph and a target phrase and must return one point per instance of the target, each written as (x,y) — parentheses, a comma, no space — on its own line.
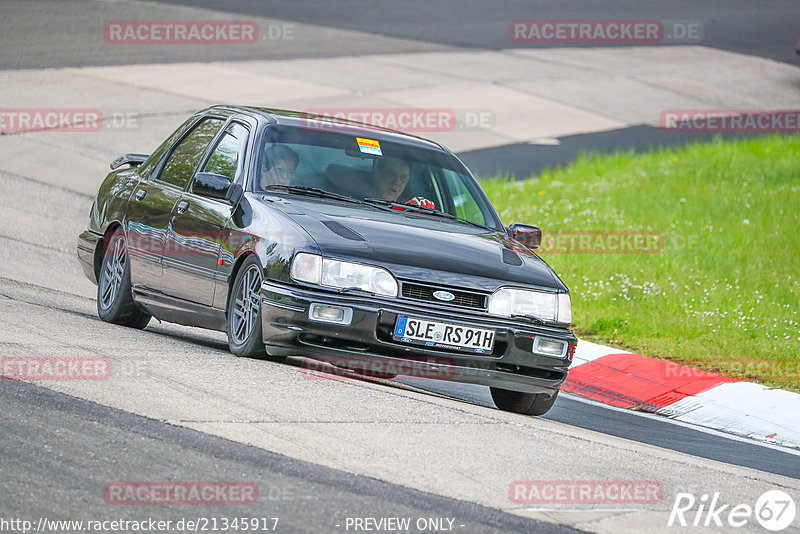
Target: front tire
(114,298)
(244,311)
(524,403)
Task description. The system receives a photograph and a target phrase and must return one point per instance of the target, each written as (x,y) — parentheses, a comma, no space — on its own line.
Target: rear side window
(183,161)
(151,164)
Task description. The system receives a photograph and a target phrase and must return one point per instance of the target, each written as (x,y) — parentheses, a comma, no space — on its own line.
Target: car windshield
(294,160)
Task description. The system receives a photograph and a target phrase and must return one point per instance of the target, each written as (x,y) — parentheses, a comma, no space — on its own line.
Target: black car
(301,235)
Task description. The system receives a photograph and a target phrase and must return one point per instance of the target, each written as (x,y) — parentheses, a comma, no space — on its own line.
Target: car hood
(420,247)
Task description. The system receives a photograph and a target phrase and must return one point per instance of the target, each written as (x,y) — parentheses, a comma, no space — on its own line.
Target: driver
(390,178)
(278,165)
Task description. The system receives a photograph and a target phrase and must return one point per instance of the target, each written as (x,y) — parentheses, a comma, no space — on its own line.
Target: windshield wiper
(321,193)
(423,209)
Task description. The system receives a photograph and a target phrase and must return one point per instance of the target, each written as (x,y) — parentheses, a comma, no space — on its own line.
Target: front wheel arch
(234,273)
(255,346)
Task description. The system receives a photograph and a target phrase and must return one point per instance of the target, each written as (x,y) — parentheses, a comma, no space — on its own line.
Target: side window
(228,155)
(151,164)
(180,166)
(464,203)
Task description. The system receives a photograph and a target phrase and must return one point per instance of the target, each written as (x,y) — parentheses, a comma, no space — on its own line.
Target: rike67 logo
(774,510)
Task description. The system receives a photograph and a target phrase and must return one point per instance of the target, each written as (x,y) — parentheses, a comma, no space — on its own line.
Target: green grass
(724,292)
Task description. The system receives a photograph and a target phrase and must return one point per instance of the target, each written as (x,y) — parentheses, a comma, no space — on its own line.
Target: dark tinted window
(183,161)
(151,164)
(365,168)
(227,157)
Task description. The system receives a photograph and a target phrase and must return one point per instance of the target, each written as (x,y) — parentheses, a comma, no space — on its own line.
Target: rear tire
(114,298)
(524,403)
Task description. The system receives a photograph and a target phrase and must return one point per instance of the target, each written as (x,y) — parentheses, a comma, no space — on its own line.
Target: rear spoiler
(134,160)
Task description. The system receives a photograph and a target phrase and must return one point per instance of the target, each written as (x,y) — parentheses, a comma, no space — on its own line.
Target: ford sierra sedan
(300,235)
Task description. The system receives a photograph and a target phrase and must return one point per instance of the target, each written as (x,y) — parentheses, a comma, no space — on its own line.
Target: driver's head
(390,177)
(278,165)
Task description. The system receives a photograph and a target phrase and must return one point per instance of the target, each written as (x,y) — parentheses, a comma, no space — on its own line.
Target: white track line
(704,429)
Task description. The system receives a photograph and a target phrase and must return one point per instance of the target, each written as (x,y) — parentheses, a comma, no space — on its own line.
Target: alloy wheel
(246,305)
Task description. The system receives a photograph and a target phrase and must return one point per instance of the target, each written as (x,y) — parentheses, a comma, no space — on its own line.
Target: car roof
(301,119)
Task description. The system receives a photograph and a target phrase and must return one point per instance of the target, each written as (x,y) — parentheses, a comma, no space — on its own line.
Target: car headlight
(549,307)
(315,269)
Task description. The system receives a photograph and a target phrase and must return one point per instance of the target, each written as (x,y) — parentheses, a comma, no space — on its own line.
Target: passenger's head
(278,165)
(390,177)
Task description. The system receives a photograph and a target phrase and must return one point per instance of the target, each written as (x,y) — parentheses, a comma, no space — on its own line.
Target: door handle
(140,194)
(183,206)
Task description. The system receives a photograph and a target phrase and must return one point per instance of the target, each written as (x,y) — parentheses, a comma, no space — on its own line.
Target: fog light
(550,347)
(330,314)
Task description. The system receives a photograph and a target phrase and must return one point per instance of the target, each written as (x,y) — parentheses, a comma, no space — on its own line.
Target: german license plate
(443,335)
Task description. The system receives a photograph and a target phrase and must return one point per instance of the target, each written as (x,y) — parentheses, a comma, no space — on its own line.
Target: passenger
(278,165)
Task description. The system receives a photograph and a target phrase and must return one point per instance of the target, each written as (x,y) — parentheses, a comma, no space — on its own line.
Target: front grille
(468,299)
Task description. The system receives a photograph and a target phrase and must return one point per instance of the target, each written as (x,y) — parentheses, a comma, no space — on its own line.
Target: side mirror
(528,235)
(209,184)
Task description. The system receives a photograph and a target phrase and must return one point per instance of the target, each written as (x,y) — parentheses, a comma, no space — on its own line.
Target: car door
(155,200)
(192,249)
(148,215)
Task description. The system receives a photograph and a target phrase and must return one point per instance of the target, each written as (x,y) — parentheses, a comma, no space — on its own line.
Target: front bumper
(367,343)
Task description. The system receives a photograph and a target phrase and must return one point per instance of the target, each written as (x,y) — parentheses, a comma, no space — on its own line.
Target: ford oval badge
(444,295)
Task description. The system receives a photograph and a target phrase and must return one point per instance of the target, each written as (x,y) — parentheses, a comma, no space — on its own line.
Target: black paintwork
(185,244)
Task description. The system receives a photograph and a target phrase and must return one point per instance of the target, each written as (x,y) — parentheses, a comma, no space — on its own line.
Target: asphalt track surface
(64,449)
(65,33)
(644,428)
(754,28)
(525,159)
(766,29)
(58,449)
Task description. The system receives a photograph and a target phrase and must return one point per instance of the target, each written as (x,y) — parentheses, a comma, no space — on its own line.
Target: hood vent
(343,231)
(511,258)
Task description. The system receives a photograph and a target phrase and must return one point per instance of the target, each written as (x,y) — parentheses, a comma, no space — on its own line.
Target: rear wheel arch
(102,246)
(115,302)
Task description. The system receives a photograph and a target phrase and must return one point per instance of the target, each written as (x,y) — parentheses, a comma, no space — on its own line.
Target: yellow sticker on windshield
(369,146)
